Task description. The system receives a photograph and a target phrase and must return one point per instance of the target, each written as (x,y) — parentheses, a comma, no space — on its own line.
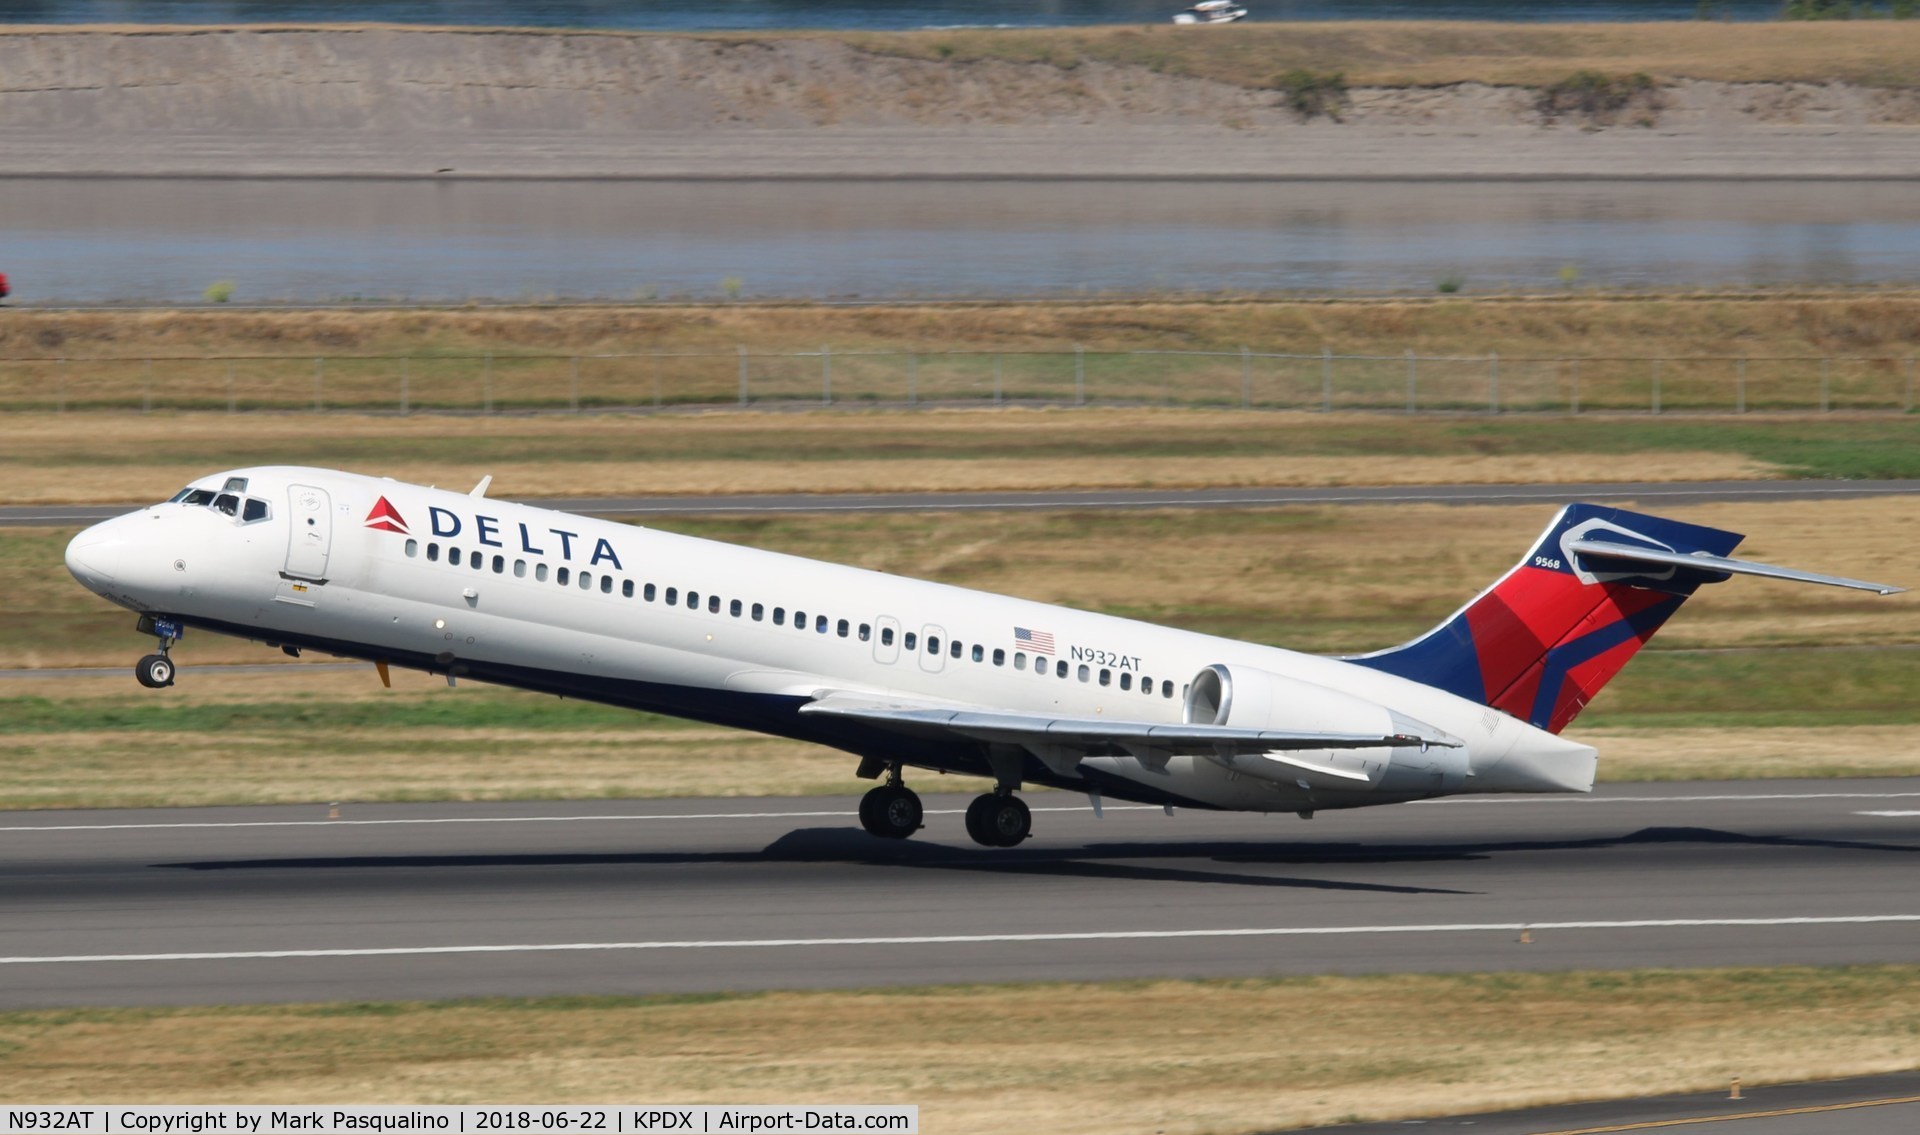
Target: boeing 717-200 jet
(903,673)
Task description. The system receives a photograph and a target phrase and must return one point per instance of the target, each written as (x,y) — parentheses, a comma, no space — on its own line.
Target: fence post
(1576,385)
(406,376)
(656,378)
(1656,386)
(573,387)
(1826,380)
(1906,404)
(1413,383)
(1246,378)
(826,375)
(913,378)
(1493,382)
(1326,379)
(233,390)
(60,388)
(1079,374)
(319,381)
(146,387)
(740,348)
(1740,387)
(997,395)
(486,384)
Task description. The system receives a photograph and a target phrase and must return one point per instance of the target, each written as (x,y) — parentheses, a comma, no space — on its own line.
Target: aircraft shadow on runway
(1128,861)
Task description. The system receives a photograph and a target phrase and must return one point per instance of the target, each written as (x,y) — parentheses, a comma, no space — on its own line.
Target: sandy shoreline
(395,103)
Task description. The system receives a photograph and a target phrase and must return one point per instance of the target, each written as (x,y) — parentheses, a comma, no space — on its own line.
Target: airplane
(904,673)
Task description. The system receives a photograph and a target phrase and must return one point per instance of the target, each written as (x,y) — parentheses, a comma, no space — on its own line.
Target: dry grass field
(1575,324)
(1426,54)
(1168,1057)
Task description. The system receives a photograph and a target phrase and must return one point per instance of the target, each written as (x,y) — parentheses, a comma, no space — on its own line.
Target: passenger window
(475,559)
(866,631)
(560,576)
(1060,668)
(1106,677)
(227,503)
(779,616)
(886,636)
(759,612)
(979,653)
(413,548)
(1126,680)
(499,565)
(733,608)
(626,589)
(909,640)
(1084,672)
(648,593)
(800,620)
(693,600)
(606,585)
(433,553)
(519,569)
(540,572)
(673,596)
(933,644)
(1166,689)
(843,628)
(1019,660)
(586,580)
(713,604)
(453,556)
(999,657)
(1146,686)
(256,511)
(820,624)
(955,648)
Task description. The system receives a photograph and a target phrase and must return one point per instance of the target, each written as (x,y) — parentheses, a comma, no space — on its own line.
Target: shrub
(731,286)
(1450,284)
(1313,93)
(1825,10)
(220,291)
(1600,98)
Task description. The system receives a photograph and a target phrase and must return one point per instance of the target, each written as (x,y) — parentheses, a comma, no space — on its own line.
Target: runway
(454,900)
(1666,492)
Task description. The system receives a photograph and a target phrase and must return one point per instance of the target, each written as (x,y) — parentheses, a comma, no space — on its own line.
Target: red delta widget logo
(447,524)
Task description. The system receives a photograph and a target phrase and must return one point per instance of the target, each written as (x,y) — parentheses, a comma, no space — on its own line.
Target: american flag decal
(1040,642)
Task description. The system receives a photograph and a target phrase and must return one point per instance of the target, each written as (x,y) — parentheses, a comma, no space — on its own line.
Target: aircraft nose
(94,557)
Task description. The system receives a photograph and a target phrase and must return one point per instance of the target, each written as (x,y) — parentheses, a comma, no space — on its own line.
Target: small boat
(1211,12)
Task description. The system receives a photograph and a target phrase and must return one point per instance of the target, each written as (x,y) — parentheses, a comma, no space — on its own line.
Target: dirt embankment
(378,101)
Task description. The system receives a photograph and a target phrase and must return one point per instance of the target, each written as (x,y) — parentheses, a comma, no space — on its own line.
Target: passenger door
(309,531)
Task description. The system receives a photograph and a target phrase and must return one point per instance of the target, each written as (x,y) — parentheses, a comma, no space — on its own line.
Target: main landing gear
(892,810)
(155,671)
(999,819)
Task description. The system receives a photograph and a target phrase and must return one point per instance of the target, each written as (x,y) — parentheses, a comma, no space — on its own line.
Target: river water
(748,15)
(85,241)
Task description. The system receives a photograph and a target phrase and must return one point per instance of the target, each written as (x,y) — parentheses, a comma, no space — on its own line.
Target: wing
(1063,742)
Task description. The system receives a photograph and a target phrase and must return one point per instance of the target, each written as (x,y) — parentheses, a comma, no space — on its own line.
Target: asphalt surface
(453,900)
(1866,1105)
(1669,492)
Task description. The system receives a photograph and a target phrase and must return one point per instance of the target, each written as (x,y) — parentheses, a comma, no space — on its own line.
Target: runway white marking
(972,939)
(1511,800)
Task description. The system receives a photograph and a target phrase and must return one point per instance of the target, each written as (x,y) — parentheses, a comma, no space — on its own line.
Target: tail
(1544,639)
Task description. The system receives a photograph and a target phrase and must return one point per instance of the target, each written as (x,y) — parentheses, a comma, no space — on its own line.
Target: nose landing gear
(891,810)
(155,671)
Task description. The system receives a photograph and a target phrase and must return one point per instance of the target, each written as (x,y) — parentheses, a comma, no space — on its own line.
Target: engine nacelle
(1246,698)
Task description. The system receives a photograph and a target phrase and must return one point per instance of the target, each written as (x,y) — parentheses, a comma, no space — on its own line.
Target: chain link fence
(1246,379)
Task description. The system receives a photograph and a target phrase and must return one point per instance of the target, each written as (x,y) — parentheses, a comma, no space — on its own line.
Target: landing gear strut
(155,671)
(892,810)
(999,819)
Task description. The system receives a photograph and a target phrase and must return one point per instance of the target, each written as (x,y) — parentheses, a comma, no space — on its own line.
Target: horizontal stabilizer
(1714,565)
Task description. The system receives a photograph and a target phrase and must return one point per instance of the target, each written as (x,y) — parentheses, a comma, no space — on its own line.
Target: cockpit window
(180,496)
(198,497)
(227,503)
(256,510)
(235,485)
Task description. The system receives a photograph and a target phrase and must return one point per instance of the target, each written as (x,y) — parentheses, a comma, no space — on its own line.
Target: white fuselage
(588,608)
